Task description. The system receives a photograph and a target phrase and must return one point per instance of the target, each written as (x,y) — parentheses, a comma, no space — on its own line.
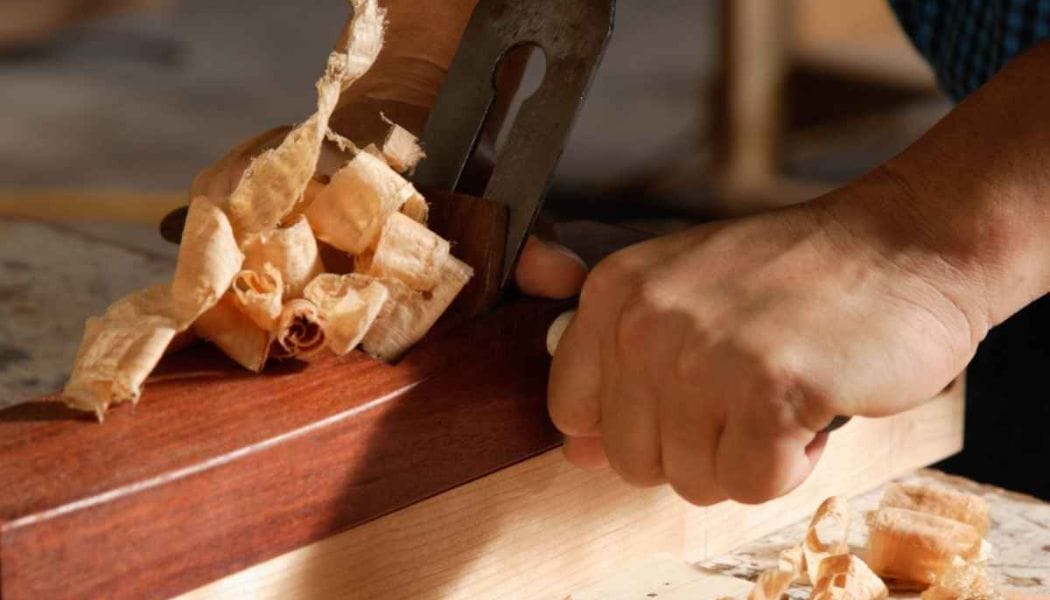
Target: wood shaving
(208,261)
(844,576)
(250,277)
(772,584)
(962,580)
(299,333)
(407,251)
(940,500)
(416,208)
(348,305)
(915,547)
(120,349)
(291,250)
(923,538)
(826,535)
(350,212)
(409,314)
(235,333)
(401,149)
(275,181)
(260,295)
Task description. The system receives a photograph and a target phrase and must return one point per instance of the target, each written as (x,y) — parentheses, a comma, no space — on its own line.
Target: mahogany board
(216,470)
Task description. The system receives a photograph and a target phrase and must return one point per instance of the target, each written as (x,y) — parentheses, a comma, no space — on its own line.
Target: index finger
(572,392)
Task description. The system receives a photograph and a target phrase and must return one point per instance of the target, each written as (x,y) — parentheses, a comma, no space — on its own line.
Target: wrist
(884,215)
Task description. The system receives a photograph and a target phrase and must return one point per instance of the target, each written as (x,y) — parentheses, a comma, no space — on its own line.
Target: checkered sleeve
(968,41)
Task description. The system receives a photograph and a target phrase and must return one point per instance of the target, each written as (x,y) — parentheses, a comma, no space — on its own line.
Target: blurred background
(702,109)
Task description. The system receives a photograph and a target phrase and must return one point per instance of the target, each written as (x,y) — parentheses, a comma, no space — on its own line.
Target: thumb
(549,270)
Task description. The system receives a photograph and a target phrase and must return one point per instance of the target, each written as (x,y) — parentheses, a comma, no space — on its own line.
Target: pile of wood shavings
(249,276)
(921,538)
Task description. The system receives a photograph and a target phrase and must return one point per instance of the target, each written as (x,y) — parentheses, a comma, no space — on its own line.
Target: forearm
(974,193)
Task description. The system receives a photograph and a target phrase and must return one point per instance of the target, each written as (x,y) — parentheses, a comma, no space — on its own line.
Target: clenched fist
(712,359)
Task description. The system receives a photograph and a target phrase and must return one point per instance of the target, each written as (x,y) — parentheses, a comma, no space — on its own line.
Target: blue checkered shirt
(968,41)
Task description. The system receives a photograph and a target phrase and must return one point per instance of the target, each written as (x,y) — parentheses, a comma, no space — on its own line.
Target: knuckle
(641,315)
(634,325)
(789,395)
(703,493)
(607,278)
(750,492)
(637,470)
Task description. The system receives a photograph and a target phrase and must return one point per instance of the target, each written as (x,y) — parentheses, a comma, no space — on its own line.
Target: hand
(712,358)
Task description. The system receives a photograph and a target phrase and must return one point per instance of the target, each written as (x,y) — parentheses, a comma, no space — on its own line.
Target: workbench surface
(1020,563)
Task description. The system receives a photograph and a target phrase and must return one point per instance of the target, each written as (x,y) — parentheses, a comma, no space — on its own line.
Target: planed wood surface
(216,469)
(542,529)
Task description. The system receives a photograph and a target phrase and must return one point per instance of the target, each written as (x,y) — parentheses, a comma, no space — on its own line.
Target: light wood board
(541,528)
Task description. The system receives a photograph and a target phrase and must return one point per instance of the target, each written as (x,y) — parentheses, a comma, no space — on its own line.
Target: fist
(712,359)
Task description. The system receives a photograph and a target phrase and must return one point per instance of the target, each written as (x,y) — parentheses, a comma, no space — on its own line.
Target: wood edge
(541,528)
(58,204)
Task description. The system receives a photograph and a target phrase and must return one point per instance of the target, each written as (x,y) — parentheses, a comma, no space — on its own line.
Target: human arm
(712,358)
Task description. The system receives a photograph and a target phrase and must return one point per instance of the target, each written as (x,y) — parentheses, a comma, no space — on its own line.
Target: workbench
(1020,562)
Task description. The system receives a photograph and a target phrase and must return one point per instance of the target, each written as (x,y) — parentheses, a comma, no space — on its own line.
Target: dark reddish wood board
(216,470)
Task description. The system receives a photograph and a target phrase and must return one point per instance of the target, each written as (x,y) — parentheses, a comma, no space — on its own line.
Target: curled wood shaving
(939,500)
(826,535)
(300,333)
(914,547)
(409,314)
(348,305)
(120,349)
(218,181)
(352,209)
(249,253)
(772,584)
(416,208)
(962,580)
(291,250)
(275,181)
(401,149)
(921,538)
(208,261)
(260,295)
(407,251)
(844,576)
(235,333)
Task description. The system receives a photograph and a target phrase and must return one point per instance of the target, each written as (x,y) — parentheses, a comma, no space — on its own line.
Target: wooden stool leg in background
(754,41)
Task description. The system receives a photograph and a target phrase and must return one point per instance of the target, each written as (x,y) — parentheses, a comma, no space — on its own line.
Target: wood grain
(542,529)
(216,470)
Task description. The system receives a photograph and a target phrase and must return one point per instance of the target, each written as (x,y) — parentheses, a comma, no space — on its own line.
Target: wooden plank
(667,578)
(60,204)
(754,38)
(217,469)
(541,529)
